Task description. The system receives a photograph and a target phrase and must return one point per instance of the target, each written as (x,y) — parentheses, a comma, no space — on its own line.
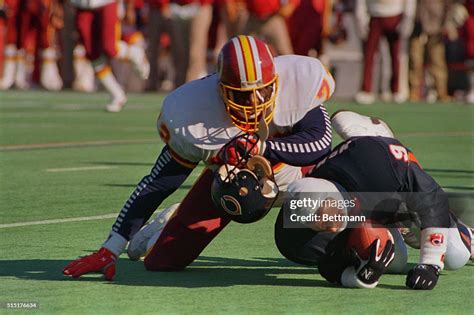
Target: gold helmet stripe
(249,58)
(256,58)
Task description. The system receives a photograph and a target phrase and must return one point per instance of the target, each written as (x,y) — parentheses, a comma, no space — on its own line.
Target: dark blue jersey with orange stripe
(386,176)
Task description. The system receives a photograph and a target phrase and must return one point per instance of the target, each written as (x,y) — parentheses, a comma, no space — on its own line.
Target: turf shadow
(120,163)
(207,272)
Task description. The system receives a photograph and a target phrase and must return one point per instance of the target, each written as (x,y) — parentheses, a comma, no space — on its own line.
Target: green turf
(240,272)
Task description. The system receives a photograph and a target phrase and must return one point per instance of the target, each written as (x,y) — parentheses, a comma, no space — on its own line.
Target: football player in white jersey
(97,23)
(251,93)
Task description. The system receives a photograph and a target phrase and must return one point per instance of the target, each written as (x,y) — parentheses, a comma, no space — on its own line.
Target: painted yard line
(18,147)
(53,145)
(75,169)
(55,221)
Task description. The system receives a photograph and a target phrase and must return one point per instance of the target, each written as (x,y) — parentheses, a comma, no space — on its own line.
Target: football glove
(366,273)
(101,261)
(237,151)
(423,277)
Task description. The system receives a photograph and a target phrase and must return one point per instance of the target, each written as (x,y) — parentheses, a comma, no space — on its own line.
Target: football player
(279,98)
(98,25)
(390,171)
(29,32)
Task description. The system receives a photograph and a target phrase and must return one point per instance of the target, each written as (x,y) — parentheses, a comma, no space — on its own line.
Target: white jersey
(90,4)
(385,8)
(195,124)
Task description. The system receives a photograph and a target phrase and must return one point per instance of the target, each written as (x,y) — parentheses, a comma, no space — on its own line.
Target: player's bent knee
(399,263)
(153,265)
(349,124)
(458,251)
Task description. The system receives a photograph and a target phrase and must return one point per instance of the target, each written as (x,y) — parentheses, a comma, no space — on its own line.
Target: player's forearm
(310,141)
(165,177)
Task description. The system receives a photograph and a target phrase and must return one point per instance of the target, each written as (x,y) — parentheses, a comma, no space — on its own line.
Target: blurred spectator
(30,41)
(394,20)
(3,29)
(468,32)
(308,24)
(234,15)
(158,24)
(267,21)
(430,26)
(190,22)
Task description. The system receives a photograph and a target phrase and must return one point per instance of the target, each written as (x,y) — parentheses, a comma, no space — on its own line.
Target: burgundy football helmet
(248,81)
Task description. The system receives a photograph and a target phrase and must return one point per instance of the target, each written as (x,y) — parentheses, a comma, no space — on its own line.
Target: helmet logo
(235,205)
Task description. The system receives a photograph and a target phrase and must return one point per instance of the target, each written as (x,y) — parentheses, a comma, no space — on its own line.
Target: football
(360,238)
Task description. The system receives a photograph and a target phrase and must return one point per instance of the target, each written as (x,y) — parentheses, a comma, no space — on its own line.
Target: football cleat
(116,104)
(22,71)
(50,78)
(364,98)
(9,68)
(140,62)
(137,247)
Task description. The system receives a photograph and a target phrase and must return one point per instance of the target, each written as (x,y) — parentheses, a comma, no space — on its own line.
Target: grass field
(62,156)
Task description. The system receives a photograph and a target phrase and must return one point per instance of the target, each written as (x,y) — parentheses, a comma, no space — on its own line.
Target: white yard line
(14,147)
(55,221)
(76,169)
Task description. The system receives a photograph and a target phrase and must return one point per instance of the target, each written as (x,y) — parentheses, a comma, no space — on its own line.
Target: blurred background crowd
(389,50)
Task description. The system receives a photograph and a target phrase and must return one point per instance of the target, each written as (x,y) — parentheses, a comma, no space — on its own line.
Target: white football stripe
(77,169)
(55,221)
(240,59)
(256,58)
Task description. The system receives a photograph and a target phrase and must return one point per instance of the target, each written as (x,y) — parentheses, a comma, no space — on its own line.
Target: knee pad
(349,124)
(458,250)
(399,263)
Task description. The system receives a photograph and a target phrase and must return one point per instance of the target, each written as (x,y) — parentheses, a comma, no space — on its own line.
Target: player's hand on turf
(369,271)
(236,150)
(423,277)
(101,261)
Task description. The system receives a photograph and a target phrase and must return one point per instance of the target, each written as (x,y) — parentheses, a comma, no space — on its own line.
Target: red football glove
(102,261)
(236,149)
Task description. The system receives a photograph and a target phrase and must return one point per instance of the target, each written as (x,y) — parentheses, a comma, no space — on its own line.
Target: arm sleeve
(165,177)
(309,142)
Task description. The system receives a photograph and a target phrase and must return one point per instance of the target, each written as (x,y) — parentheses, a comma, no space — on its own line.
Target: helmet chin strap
(263,132)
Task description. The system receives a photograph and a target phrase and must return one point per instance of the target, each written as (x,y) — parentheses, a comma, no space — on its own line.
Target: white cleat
(9,68)
(22,71)
(140,62)
(400,97)
(138,245)
(470,97)
(50,78)
(364,98)
(117,104)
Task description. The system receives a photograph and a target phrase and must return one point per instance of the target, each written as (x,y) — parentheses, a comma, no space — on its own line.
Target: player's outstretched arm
(165,177)
(309,142)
